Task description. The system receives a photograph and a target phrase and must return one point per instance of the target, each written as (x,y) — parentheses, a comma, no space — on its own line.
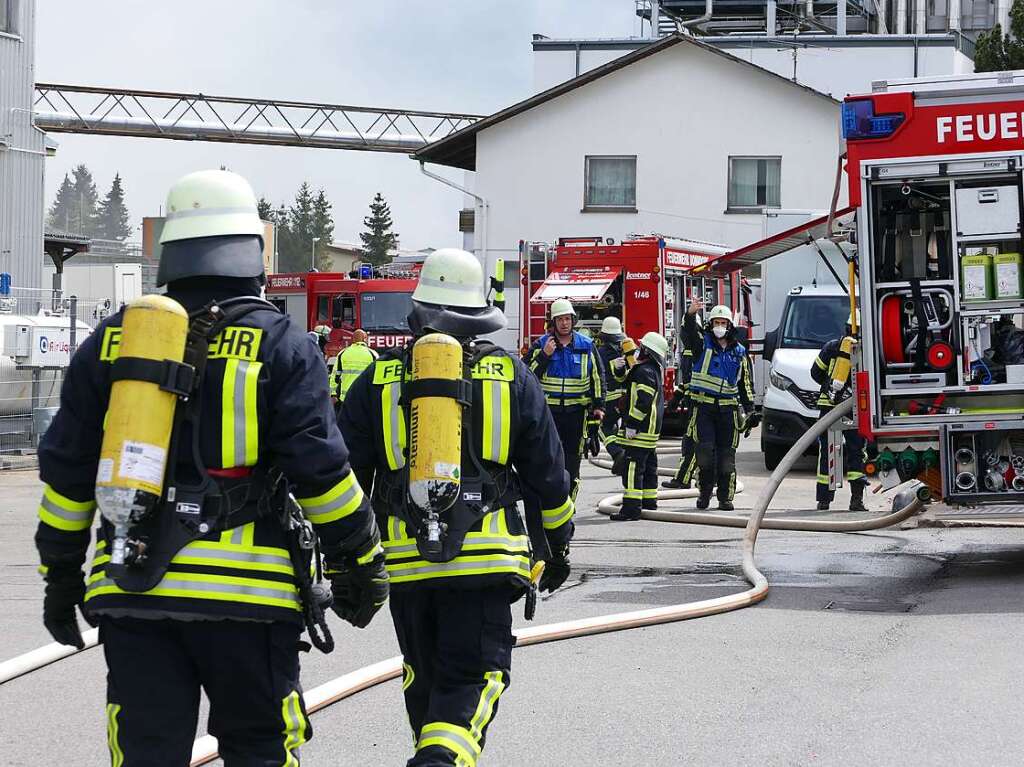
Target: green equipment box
(976,278)
(1007,268)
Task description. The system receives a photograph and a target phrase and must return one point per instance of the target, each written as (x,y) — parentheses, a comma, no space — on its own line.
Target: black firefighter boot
(705,498)
(857,496)
(676,483)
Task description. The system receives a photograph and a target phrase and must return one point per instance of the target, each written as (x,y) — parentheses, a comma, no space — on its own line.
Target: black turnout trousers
(457,655)
(249,670)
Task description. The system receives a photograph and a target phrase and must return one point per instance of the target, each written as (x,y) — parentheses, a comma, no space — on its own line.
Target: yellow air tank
(139,420)
(435,428)
(628,347)
(841,370)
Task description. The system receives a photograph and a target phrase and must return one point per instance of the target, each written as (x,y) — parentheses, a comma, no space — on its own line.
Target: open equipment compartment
(944,280)
(983,463)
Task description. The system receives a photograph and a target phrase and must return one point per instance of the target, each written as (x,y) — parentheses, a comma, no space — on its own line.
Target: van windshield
(385,311)
(811,321)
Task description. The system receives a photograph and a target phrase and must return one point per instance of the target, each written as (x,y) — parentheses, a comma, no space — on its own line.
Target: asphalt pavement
(896,647)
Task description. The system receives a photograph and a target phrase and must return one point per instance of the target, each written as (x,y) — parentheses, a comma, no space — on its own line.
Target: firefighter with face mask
(571,376)
(831,370)
(644,409)
(722,394)
(349,363)
(194,421)
(452,432)
(609,352)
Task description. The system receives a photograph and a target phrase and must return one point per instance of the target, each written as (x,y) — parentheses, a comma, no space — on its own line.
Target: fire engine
(934,169)
(643,280)
(375,299)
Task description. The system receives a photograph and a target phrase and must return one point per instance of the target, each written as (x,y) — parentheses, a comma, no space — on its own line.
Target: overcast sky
(469,56)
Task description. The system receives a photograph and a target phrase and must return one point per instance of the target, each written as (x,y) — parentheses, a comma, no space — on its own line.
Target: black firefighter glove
(65,590)
(359,590)
(752,421)
(556,570)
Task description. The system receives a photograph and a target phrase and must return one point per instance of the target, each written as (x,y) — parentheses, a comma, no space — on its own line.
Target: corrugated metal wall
(21,172)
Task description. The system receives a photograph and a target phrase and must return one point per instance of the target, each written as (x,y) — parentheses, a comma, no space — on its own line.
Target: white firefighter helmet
(720,312)
(449,297)
(212,228)
(610,326)
(561,307)
(656,344)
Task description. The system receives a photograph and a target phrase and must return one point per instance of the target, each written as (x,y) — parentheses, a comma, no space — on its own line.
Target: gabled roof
(458,150)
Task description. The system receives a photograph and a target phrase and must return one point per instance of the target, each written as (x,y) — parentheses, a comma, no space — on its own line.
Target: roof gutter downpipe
(484,210)
(683,27)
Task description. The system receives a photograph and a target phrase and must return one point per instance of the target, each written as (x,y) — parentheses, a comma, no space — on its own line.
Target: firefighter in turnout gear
(458,554)
(686,471)
(349,363)
(210,589)
(831,370)
(572,379)
(641,427)
(609,352)
(722,395)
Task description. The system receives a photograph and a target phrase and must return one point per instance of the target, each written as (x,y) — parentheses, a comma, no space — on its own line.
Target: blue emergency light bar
(365,272)
(861,122)
(5,284)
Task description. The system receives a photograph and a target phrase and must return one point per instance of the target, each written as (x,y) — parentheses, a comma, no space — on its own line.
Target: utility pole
(312,255)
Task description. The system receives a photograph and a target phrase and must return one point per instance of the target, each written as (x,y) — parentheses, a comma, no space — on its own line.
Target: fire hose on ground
(906,504)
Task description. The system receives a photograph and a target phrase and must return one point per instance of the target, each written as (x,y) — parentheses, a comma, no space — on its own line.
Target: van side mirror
(771,341)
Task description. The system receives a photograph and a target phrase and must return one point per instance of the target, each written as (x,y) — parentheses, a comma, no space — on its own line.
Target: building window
(755,183)
(610,183)
(9,16)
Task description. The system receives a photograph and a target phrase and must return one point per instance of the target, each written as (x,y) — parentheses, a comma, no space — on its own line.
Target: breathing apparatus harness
(220,499)
(486,487)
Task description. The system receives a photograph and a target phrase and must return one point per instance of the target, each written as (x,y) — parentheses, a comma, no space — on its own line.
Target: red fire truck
(934,168)
(378,302)
(641,280)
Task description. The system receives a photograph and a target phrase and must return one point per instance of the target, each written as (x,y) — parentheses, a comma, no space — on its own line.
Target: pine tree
(323,229)
(265,209)
(996,52)
(113,218)
(287,252)
(62,216)
(300,224)
(83,202)
(378,239)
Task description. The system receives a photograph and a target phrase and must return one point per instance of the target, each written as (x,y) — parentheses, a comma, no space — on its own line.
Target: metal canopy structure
(758,251)
(197,117)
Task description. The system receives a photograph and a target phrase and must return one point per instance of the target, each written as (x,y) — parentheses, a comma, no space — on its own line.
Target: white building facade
(677,138)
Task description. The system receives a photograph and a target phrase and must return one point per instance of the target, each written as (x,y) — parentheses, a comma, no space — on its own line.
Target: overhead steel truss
(197,117)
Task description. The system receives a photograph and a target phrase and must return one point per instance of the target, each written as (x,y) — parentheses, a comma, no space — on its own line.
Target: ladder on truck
(534,258)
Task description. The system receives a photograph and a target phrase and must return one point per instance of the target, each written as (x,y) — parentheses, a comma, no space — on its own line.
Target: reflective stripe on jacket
(572,375)
(511,425)
(645,405)
(350,362)
(263,398)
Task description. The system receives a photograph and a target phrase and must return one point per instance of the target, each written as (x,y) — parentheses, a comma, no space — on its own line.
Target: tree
(113,218)
(996,52)
(285,245)
(323,230)
(61,215)
(265,209)
(83,201)
(378,239)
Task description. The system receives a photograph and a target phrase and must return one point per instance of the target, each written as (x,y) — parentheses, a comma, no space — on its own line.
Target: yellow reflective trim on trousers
(408,676)
(337,503)
(294,731)
(394,425)
(558,516)
(370,554)
(203,586)
(631,491)
(116,754)
(494,686)
(456,739)
(62,513)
